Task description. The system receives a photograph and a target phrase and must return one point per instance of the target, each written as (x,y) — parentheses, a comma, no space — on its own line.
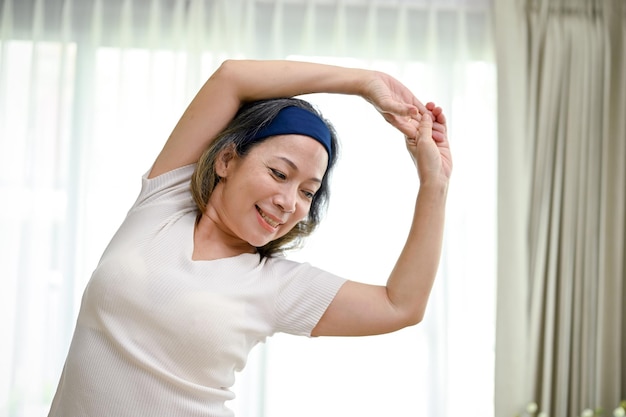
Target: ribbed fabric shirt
(161,335)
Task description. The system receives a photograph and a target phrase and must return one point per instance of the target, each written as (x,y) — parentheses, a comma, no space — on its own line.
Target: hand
(394,101)
(429,146)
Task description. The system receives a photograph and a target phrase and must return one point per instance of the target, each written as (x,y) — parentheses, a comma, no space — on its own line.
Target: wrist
(434,186)
(366,84)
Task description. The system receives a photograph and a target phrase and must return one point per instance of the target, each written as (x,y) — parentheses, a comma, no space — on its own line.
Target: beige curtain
(561,332)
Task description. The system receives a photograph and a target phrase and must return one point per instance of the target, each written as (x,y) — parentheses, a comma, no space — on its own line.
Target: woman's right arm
(238,81)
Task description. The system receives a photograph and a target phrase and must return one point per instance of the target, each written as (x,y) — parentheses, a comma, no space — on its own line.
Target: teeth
(267,219)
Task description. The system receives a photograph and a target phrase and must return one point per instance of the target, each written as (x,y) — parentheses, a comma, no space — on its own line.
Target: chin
(258,243)
(262,242)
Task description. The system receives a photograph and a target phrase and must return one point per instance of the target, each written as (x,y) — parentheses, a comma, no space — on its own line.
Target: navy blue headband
(294,120)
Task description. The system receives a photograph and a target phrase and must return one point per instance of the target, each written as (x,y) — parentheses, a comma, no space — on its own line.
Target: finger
(439,136)
(414,111)
(400,108)
(429,107)
(439,132)
(438,127)
(404,124)
(439,116)
(425,129)
(421,109)
(436,112)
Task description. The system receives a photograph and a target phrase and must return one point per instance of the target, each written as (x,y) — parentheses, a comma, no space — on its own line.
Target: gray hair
(238,134)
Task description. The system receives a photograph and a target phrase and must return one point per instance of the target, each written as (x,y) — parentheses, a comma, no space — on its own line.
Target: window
(81,121)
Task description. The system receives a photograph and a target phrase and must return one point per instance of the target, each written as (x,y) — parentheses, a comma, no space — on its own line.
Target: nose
(286,201)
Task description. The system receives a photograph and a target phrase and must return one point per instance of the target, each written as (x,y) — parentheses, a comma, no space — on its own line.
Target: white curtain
(89,91)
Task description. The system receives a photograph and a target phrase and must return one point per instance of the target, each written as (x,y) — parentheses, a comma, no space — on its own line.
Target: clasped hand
(423,126)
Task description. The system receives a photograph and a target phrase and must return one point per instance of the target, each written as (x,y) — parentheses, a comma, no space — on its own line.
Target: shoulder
(172,185)
(302,276)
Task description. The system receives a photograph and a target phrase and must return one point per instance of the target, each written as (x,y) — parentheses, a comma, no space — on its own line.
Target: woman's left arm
(361,309)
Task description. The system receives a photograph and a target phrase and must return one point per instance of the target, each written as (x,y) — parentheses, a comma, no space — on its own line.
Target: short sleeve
(304,293)
(172,187)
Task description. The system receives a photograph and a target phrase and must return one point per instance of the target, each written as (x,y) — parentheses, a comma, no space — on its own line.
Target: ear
(225,160)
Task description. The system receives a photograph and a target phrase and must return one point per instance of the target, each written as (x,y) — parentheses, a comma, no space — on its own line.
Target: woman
(192,281)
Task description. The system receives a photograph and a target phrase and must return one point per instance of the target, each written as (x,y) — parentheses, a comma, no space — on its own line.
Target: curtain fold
(574,129)
(514,190)
(89,91)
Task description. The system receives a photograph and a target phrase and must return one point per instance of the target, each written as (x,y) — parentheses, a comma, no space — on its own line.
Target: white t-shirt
(159,334)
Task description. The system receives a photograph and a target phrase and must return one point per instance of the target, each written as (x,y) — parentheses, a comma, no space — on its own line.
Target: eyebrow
(295,167)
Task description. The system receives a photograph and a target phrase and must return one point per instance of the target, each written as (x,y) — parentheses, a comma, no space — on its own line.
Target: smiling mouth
(269,221)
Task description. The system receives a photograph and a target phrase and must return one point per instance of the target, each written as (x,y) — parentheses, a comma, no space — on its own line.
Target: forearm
(412,278)
(256,80)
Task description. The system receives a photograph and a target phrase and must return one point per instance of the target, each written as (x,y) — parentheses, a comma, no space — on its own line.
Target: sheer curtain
(561,309)
(89,91)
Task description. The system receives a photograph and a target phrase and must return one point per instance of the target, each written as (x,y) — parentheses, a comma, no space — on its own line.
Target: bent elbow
(415,319)
(411,318)
(227,69)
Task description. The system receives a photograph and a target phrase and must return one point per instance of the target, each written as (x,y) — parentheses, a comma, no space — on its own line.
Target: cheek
(303,211)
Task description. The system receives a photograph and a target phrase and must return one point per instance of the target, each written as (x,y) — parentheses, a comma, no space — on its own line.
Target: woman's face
(263,195)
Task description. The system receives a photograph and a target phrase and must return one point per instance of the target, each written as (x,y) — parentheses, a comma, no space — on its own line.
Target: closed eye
(279,175)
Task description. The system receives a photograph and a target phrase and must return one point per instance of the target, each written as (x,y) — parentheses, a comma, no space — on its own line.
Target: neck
(210,242)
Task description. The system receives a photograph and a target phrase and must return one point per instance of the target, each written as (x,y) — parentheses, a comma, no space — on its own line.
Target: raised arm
(239,81)
(361,309)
